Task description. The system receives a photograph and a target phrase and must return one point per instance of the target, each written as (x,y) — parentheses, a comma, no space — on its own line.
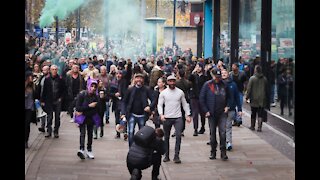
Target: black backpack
(144,136)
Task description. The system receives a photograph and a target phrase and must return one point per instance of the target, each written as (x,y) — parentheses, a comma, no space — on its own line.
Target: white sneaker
(90,155)
(72,121)
(81,154)
(273,104)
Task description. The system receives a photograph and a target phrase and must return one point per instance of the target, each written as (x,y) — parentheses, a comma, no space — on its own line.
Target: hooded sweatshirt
(233,99)
(84,99)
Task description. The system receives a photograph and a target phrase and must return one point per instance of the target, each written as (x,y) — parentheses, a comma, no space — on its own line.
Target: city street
(252,157)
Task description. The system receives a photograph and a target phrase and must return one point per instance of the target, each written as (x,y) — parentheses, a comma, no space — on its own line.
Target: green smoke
(59,8)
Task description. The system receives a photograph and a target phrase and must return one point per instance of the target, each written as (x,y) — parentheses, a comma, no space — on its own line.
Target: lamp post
(78,25)
(216,30)
(106,16)
(156,9)
(57,30)
(174,24)
(154,21)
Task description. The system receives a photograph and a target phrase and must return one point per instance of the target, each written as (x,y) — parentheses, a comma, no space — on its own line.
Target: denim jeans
(272,93)
(229,127)
(132,124)
(107,113)
(236,117)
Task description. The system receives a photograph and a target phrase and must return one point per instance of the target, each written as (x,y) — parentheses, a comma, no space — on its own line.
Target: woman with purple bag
(86,116)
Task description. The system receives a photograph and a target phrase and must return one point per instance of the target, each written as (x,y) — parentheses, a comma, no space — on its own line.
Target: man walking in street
(233,102)
(51,100)
(171,114)
(239,78)
(39,90)
(213,100)
(135,105)
(87,107)
(197,79)
(74,84)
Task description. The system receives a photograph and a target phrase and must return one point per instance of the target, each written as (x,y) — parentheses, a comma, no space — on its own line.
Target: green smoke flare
(60,8)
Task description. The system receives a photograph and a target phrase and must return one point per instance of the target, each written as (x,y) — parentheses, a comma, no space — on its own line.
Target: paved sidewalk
(251,157)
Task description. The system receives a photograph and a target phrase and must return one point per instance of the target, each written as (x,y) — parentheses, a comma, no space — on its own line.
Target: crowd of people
(171,88)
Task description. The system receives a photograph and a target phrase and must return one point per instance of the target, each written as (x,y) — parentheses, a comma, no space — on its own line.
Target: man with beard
(171,114)
(74,83)
(135,105)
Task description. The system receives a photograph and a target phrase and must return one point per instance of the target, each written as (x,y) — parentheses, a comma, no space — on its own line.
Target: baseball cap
(216,72)
(138,75)
(171,77)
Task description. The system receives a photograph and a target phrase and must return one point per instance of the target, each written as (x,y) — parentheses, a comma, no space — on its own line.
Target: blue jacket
(213,102)
(233,99)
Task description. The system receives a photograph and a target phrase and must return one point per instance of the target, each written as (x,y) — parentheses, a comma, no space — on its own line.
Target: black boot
(41,129)
(212,155)
(224,155)
(166,158)
(176,159)
(101,132)
(155,178)
(195,133)
(174,134)
(253,124)
(117,136)
(202,130)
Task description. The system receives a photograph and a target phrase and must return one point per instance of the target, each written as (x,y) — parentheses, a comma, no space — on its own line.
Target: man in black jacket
(143,155)
(197,79)
(135,105)
(74,84)
(51,99)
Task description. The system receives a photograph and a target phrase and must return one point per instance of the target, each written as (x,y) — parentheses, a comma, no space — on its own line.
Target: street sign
(38,32)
